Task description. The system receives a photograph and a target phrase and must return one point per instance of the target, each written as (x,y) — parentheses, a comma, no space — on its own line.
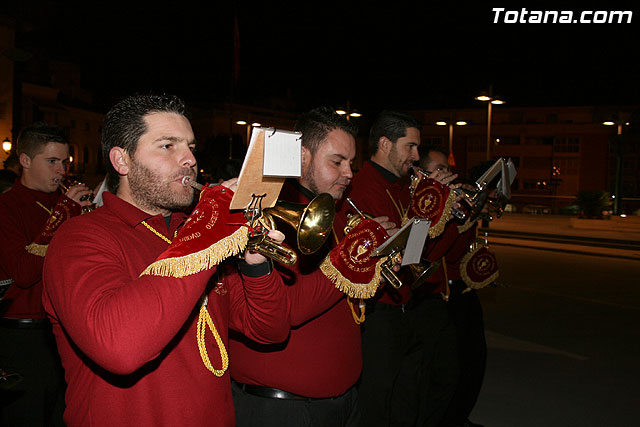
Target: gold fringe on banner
(353,290)
(436,229)
(202,260)
(36,249)
(467,225)
(467,280)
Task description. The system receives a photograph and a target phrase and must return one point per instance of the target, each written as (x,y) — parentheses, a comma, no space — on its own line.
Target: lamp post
(451,123)
(490,99)
(249,127)
(618,152)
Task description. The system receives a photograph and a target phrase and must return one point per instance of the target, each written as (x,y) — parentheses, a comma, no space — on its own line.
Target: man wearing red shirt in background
(31,211)
(408,340)
(140,327)
(464,307)
(309,379)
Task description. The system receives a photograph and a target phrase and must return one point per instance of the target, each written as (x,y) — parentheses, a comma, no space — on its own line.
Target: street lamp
(6,145)
(348,112)
(450,123)
(618,151)
(249,127)
(490,99)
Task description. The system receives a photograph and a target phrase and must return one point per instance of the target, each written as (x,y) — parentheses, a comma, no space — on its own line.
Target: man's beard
(150,191)
(396,163)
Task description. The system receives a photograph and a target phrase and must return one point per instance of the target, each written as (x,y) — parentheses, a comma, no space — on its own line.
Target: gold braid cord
(36,249)
(353,290)
(358,319)
(205,319)
(202,260)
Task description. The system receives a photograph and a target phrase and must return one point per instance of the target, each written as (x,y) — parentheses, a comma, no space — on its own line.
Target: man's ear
(120,160)
(25,160)
(306,160)
(384,144)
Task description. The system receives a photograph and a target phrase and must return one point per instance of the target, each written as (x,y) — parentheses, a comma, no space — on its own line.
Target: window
(566,144)
(539,163)
(508,140)
(566,165)
(476,144)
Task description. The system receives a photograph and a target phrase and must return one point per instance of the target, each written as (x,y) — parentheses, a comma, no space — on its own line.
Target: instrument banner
(350,265)
(479,268)
(211,234)
(64,209)
(433,201)
(469,220)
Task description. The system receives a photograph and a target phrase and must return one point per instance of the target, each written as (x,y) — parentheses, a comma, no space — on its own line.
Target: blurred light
(497,140)
(355,114)
(341,112)
(608,123)
(241,122)
(483,98)
(201,170)
(627,123)
(441,123)
(623,215)
(70,159)
(613,196)
(461,123)
(256,124)
(6,145)
(497,101)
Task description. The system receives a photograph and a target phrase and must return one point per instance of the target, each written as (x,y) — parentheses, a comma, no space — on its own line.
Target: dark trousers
(38,400)
(466,313)
(257,411)
(409,364)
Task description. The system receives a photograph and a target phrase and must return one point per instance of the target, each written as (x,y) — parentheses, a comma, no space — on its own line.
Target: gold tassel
(202,260)
(36,249)
(353,290)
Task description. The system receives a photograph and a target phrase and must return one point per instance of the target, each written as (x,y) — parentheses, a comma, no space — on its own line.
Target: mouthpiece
(186,180)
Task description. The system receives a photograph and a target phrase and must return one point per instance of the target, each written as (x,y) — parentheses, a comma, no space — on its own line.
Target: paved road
(564,341)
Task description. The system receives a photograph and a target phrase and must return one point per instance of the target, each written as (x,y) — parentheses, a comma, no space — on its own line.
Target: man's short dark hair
(424,151)
(124,125)
(393,125)
(34,137)
(316,124)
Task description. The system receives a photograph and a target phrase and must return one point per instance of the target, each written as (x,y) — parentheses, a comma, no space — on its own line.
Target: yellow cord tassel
(358,319)
(203,318)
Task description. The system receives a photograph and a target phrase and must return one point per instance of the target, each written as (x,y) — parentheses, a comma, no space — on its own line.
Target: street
(563,339)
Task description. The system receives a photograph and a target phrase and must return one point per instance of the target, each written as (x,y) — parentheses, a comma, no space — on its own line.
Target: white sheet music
(282,154)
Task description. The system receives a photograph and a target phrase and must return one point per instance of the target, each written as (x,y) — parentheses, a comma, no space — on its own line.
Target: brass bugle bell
(312,223)
(67,182)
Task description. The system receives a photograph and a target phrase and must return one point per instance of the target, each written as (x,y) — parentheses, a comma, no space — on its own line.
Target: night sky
(405,55)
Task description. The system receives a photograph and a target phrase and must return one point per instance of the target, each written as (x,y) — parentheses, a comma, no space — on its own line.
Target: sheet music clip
(409,241)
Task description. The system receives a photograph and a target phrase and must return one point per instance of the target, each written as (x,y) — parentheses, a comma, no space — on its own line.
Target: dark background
(429,54)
